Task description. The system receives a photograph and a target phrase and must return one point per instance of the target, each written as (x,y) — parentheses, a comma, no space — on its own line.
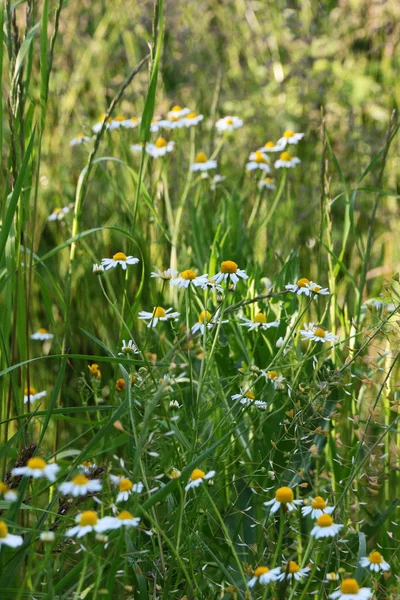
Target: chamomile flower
(258,160)
(197,477)
(245,398)
(166,275)
(8,539)
(216,180)
(42,335)
(131,123)
(116,122)
(202,163)
(205,320)
(88,521)
(160,147)
(266,184)
(350,590)
(325,527)
(128,348)
(284,497)
(159,314)
(286,160)
(125,519)
(229,272)
(37,467)
(58,214)
(139,147)
(187,278)
(316,333)
(374,562)
(289,137)
(192,119)
(96,128)
(258,322)
(98,269)
(79,139)
(316,508)
(87,467)
(31,395)
(307,287)
(155,124)
(270,147)
(228,124)
(274,377)
(178,112)
(126,487)
(172,122)
(332,577)
(378,303)
(80,486)
(9,495)
(292,571)
(264,575)
(213,286)
(118,259)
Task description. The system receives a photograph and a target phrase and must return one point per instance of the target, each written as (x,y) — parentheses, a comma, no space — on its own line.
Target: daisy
(178,112)
(192,119)
(258,322)
(37,467)
(98,269)
(246,398)
(325,527)
(8,539)
(228,123)
(155,124)
(30,394)
(87,467)
(317,334)
(350,590)
(284,497)
(80,486)
(118,259)
(126,487)
(374,562)
(125,519)
(378,304)
(42,334)
(289,137)
(174,474)
(58,213)
(274,377)
(316,508)
(9,495)
(270,147)
(258,160)
(286,160)
(201,163)
(266,183)
(211,285)
(79,139)
(307,287)
(116,122)
(216,180)
(172,123)
(264,576)
(189,277)
(160,148)
(206,320)
(332,577)
(128,348)
(131,123)
(197,477)
(159,314)
(137,147)
(96,128)
(166,275)
(88,521)
(229,272)
(292,571)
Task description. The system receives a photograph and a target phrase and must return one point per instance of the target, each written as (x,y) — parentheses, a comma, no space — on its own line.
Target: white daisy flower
(229,271)
(139,147)
(58,213)
(37,467)
(88,521)
(270,147)
(284,497)
(197,477)
(118,259)
(167,379)
(42,334)
(206,320)
(32,395)
(178,112)
(96,128)
(124,519)
(267,183)
(172,123)
(316,508)
(332,577)
(246,398)
(286,160)
(87,467)
(174,404)
(374,562)
(289,137)
(79,139)
(8,539)
(378,304)
(159,148)
(216,180)
(126,487)
(307,287)
(166,275)
(155,125)
(159,314)
(228,123)
(258,322)
(98,269)
(116,122)
(131,123)
(317,334)
(201,163)
(80,486)
(213,286)
(350,590)
(274,377)
(192,119)
(128,348)
(258,160)
(325,527)
(292,571)
(264,576)
(189,277)
(9,495)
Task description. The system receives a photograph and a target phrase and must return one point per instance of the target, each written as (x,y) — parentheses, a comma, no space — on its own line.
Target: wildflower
(166,275)
(274,377)
(95,371)
(130,123)
(79,139)
(325,527)
(124,519)
(377,303)
(118,259)
(258,322)
(197,477)
(284,497)
(211,285)
(189,277)
(350,590)
(159,314)
(30,394)
(286,160)
(137,147)
(42,334)
(58,213)
(201,163)
(192,119)
(88,521)
(289,137)
(172,123)
(98,269)
(316,508)
(266,183)
(374,562)
(317,334)
(47,536)
(177,112)
(37,467)
(8,539)
(96,128)
(126,487)
(292,571)
(9,495)
(307,287)
(332,577)
(258,160)
(87,467)
(205,320)
(120,385)
(248,399)
(229,272)
(264,576)
(128,348)
(80,486)
(174,474)
(160,148)
(174,404)
(270,147)
(216,180)
(116,122)
(155,124)
(228,123)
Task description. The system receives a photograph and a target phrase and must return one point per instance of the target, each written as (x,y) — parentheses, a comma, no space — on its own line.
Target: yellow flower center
(188,274)
(119,256)
(286,156)
(228,266)
(191,115)
(88,517)
(201,158)
(176,108)
(3,530)
(288,134)
(293,567)
(197,474)
(284,495)
(324,521)
(259,157)
(175,474)
(250,395)
(119,118)
(268,179)
(56,211)
(29,391)
(316,289)
(87,463)
(42,330)
(349,586)
(125,515)
(375,557)
(204,316)
(318,502)
(3,487)
(319,332)
(269,145)
(303,282)
(125,485)
(36,463)
(134,119)
(229,121)
(159,312)
(260,318)
(161,142)
(80,480)
(272,375)
(261,571)
(173,118)
(79,136)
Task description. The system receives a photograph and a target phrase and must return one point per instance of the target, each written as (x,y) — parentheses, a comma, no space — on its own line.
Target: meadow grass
(198,331)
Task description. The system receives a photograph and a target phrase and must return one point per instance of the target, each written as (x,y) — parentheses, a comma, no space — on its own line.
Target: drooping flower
(202,163)
(197,478)
(42,334)
(229,272)
(284,497)
(139,147)
(316,508)
(205,320)
(317,333)
(274,377)
(37,467)
(286,160)
(267,183)
(228,123)
(350,590)
(264,575)
(9,495)
(187,278)
(216,180)
(79,139)
(155,125)
(31,395)
(166,275)
(325,527)
(80,486)
(118,259)
(248,399)
(258,322)
(8,539)
(258,160)
(159,148)
(159,314)
(374,562)
(128,348)
(98,269)
(289,137)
